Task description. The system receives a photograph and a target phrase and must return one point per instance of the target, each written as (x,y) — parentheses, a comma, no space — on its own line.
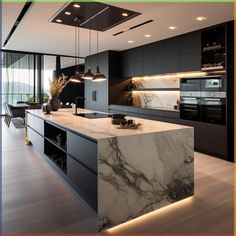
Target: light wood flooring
(37,201)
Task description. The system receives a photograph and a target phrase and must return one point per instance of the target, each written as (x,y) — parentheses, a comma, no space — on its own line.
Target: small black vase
(54,103)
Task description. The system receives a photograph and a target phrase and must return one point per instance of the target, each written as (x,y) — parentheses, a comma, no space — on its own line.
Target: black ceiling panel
(94,15)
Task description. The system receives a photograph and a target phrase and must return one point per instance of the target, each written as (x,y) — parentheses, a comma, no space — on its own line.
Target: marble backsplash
(155,99)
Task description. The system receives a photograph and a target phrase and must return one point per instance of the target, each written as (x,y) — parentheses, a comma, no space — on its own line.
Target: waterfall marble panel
(141,173)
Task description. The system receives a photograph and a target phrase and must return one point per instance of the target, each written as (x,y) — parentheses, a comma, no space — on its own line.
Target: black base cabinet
(72,156)
(36,140)
(83,180)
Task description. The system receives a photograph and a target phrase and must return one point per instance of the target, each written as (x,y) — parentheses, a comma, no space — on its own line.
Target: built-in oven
(190,84)
(213,110)
(189,108)
(213,83)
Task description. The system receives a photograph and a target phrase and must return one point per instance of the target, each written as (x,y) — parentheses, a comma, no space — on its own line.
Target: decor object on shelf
(56,87)
(98,76)
(77,76)
(130,100)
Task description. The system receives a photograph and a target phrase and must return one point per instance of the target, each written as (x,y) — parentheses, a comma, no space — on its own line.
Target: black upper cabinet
(158,50)
(190,62)
(171,64)
(190,42)
(180,53)
(172,47)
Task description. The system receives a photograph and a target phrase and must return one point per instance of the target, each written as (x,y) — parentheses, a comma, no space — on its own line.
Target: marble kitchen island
(122,174)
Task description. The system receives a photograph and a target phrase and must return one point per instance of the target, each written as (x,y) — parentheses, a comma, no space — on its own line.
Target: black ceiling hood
(109,16)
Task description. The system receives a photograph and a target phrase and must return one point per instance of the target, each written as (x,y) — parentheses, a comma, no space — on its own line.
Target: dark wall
(109,64)
(72,90)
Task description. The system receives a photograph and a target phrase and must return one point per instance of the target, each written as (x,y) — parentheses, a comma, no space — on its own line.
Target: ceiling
(36,34)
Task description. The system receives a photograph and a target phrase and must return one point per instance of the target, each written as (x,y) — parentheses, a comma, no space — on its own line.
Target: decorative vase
(54,103)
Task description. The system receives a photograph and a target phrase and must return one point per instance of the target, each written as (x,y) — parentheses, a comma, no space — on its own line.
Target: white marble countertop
(101,127)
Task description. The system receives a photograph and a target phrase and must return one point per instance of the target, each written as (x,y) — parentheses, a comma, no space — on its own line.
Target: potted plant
(56,87)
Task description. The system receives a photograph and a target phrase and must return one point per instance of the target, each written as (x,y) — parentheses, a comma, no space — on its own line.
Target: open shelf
(56,136)
(213,49)
(56,155)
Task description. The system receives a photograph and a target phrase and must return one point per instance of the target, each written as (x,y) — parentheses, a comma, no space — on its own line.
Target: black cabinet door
(36,123)
(190,43)
(158,66)
(171,64)
(83,150)
(84,181)
(214,139)
(172,47)
(36,140)
(190,62)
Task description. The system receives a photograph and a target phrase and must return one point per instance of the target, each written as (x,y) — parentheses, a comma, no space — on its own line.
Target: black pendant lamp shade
(76,77)
(99,76)
(88,75)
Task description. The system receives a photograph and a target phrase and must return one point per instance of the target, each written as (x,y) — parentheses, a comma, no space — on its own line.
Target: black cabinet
(36,140)
(190,62)
(190,42)
(171,64)
(36,123)
(83,150)
(177,54)
(83,180)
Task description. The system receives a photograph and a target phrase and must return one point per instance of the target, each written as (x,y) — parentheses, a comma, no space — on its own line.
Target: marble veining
(142,173)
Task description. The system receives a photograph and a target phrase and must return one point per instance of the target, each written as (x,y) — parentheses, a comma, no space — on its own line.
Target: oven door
(211,112)
(213,84)
(189,109)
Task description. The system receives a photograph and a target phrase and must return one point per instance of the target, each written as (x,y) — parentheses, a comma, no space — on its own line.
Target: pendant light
(76,77)
(98,76)
(88,75)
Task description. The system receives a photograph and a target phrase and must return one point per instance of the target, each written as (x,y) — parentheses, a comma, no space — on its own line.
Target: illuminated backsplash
(155,99)
(164,90)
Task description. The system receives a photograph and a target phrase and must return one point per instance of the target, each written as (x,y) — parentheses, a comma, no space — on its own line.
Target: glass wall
(19,78)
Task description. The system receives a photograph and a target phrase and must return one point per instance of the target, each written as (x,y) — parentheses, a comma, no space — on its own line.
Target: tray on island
(131,126)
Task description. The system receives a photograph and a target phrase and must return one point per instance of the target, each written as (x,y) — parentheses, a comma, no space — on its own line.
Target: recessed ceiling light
(172,27)
(147,35)
(67,13)
(130,41)
(201,18)
(76,5)
(59,20)
(124,14)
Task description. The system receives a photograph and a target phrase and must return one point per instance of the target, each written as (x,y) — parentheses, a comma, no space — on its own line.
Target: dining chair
(13,113)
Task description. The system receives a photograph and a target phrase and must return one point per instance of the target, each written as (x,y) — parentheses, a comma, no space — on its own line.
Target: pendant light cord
(97,40)
(90,37)
(75,48)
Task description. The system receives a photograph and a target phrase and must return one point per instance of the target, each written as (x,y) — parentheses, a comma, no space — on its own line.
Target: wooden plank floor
(36,200)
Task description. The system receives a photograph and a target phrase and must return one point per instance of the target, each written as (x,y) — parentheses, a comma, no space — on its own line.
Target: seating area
(13,112)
